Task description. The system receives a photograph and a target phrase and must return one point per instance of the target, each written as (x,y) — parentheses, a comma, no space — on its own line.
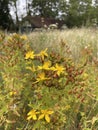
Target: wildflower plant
(12,69)
(45,89)
(57,84)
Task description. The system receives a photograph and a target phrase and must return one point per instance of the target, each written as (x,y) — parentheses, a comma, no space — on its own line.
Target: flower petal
(50,112)
(34,117)
(29,117)
(47,118)
(41,117)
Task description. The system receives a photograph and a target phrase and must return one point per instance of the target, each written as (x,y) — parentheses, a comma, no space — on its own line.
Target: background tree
(63,9)
(96,11)
(45,8)
(5,17)
(73,14)
(86,10)
(13,3)
(78,12)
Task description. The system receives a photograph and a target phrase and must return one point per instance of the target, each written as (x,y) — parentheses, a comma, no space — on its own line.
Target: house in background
(29,23)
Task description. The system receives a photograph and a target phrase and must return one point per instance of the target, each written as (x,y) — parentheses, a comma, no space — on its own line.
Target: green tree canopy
(79,12)
(45,8)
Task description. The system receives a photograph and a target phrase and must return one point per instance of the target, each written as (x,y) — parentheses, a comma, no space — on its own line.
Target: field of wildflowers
(49,80)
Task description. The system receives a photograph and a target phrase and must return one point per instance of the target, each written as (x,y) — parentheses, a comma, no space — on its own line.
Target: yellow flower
(12,93)
(32,115)
(24,37)
(45,114)
(85,75)
(43,54)
(15,35)
(29,55)
(67,107)
(53,68)
(45,66)
(10,39)
(41,77)
(59,68)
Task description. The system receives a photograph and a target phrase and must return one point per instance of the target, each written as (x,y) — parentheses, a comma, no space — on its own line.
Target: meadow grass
(76,39)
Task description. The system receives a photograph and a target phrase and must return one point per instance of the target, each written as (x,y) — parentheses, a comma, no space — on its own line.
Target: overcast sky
(21,5)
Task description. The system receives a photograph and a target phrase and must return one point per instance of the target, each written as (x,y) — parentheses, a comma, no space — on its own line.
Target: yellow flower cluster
(59,69)
(43,114)
(47,65)
(42,54)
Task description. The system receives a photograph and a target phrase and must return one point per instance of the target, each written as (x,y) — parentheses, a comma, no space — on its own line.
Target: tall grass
(76,39)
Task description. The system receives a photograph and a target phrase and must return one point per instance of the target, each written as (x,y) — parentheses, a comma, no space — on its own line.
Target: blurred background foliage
(75,13)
